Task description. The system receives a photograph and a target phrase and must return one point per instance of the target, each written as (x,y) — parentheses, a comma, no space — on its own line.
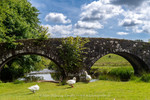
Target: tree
(138,40)
(19,20)
(71,53)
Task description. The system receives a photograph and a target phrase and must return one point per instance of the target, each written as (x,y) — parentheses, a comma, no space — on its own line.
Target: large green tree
(19,20)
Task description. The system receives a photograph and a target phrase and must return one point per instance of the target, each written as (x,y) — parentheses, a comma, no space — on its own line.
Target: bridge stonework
(137,53)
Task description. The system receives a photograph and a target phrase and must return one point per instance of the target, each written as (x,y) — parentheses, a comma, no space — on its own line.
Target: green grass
(112,67)
(99,90)
(112,61)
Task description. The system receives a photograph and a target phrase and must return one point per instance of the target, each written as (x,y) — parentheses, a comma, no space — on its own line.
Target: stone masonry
(137,53)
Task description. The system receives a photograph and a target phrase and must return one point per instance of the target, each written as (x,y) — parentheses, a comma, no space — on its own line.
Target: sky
(121,19)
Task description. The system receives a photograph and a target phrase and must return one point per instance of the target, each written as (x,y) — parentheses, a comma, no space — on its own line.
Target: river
(45,73)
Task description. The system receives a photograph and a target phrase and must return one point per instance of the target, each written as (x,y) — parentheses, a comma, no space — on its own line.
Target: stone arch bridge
(137,53)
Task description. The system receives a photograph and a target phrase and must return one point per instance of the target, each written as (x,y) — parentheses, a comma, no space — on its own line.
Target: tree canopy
(18,20)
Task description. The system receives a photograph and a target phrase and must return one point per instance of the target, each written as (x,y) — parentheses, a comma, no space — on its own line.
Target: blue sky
(123,19)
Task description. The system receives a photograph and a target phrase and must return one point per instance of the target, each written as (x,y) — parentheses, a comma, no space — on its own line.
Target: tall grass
(112,67)
(123,74)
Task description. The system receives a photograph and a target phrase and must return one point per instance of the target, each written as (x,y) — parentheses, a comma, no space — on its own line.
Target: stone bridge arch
(138,64)
(137,53)
(28,53)
(47,48)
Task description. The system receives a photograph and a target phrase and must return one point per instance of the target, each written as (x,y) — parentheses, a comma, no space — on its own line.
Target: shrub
(123,74)
(103,77)
(134,78)
(145,78)
(108,77)
(96,72)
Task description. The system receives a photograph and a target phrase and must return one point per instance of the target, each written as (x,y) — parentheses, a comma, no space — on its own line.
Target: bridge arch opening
(119,60)
(47,61)
(138,64)
(22,54)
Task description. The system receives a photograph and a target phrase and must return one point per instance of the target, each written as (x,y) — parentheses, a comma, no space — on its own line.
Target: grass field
(99,90)
(111,60)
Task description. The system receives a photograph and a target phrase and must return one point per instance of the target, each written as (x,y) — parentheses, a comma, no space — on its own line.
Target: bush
(103,77)
(113,73)
(123,74)
(108,77)
(97,72)
(145,78)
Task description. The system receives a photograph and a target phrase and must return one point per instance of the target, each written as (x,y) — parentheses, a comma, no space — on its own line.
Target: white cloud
(99,11)
(137,19)
(130,22)
(59,30)
(57,18)
(122,33)
(146,27)
(88,25)
(93,15)
(84,32)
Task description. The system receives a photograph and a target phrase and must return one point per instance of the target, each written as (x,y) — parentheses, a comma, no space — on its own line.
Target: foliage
(123,74)
(104,77)
(19,20)
(57,74)
(22,65)
(18,82)
(114,73)
(71,53)
(43,33)
(145,78)
(112,67)
(33,78)
(135,78)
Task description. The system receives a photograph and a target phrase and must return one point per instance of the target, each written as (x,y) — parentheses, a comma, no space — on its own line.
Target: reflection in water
(93,80)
